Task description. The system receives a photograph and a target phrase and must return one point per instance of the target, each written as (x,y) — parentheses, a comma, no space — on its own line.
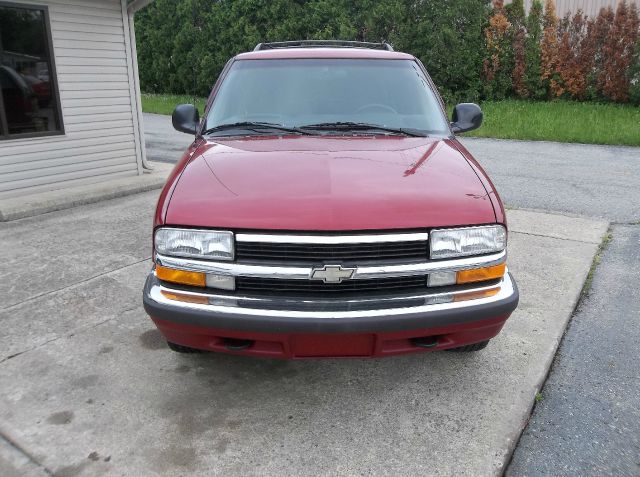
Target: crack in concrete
(67,335)
(631,223)
(13,447)
(72,285)
(551,236)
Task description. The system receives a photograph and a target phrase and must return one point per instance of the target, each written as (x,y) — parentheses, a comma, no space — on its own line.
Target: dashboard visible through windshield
(326,95)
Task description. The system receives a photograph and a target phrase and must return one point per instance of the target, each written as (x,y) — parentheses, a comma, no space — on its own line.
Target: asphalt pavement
(588,419)
(589,180)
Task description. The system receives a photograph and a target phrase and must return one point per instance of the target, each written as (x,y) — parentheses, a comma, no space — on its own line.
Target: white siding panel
(58,168)
(95,4)
(117,71)
(92,13)
(74,104)
(65,61)
(100,126)
(95,110)
(86,36)
(83,19)
(89,78)
(19,152)
(84,27)
(79,155)
(97,117)
(69,180)
(91,160)
(93,86)
(79,52)
(89,94)
(38,181)
(90,47)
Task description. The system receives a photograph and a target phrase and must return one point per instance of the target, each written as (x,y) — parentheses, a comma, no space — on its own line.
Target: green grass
(166,103)
(586,287)
(563,121)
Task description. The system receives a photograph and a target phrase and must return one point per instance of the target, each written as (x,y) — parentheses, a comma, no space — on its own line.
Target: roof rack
(322,44)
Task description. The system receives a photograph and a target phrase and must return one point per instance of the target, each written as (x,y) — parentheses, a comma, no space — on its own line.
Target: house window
(30,103)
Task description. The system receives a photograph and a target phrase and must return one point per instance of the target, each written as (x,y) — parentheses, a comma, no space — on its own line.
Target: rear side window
(296,92)
(29,103)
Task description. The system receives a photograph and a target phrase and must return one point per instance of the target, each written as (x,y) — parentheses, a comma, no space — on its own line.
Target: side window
(30,102)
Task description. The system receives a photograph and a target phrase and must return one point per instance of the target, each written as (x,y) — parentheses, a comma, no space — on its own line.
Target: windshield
(303,92)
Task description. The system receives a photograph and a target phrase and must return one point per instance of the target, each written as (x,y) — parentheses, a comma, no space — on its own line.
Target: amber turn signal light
(202,300)
(197,279)
(474,295)
(481,274)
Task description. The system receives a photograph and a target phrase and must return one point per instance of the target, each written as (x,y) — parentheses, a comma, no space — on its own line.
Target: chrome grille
(330,249)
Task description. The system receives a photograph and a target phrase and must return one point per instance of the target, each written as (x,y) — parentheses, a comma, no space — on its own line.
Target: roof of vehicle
(298,53)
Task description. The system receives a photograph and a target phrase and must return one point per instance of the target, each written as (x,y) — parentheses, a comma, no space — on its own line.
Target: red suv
(326,209)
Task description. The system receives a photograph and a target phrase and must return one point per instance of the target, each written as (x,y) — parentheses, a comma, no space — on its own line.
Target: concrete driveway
(88,386)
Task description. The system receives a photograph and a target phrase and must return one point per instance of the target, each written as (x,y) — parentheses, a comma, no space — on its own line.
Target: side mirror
(185,118)
(466,117)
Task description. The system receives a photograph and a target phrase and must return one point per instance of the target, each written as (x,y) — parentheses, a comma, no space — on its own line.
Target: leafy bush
(178,39)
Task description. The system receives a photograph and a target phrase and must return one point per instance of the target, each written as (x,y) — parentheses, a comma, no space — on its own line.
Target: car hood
(329,183)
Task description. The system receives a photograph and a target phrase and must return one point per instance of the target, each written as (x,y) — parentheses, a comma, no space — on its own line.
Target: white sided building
(70,109)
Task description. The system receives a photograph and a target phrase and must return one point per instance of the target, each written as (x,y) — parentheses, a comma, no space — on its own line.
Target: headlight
(447,243)
(206,244)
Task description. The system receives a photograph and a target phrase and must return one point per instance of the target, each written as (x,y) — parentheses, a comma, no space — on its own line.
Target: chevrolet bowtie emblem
(332,273)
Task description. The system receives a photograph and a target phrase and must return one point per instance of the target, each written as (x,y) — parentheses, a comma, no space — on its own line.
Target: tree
(618,53)
(447,37)
(549,50)
(517,18)
(532,69)
(498,65)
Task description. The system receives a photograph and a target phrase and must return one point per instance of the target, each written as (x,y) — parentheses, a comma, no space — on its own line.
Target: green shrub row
(184,44)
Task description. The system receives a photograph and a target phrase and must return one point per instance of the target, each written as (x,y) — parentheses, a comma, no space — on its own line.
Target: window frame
(53,80)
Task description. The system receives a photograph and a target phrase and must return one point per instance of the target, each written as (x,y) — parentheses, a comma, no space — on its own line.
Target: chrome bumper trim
(332,239)
(434,302)
(303,273)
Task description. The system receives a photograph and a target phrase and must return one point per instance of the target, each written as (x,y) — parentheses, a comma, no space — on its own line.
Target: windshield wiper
(254,126)
(353,126)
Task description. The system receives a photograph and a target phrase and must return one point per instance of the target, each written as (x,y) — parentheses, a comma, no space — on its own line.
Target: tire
(182,349)
(470,348)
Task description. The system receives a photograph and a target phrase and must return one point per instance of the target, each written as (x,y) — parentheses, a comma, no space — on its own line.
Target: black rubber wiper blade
(254,126)
(353,126)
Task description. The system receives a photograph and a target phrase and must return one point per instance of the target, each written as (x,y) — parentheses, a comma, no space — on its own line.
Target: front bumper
(364,328)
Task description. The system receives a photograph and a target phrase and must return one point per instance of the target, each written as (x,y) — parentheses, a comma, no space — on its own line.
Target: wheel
(471,347)
(182,349)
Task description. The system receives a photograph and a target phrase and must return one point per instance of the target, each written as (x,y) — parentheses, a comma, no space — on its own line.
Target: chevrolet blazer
(326,209)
